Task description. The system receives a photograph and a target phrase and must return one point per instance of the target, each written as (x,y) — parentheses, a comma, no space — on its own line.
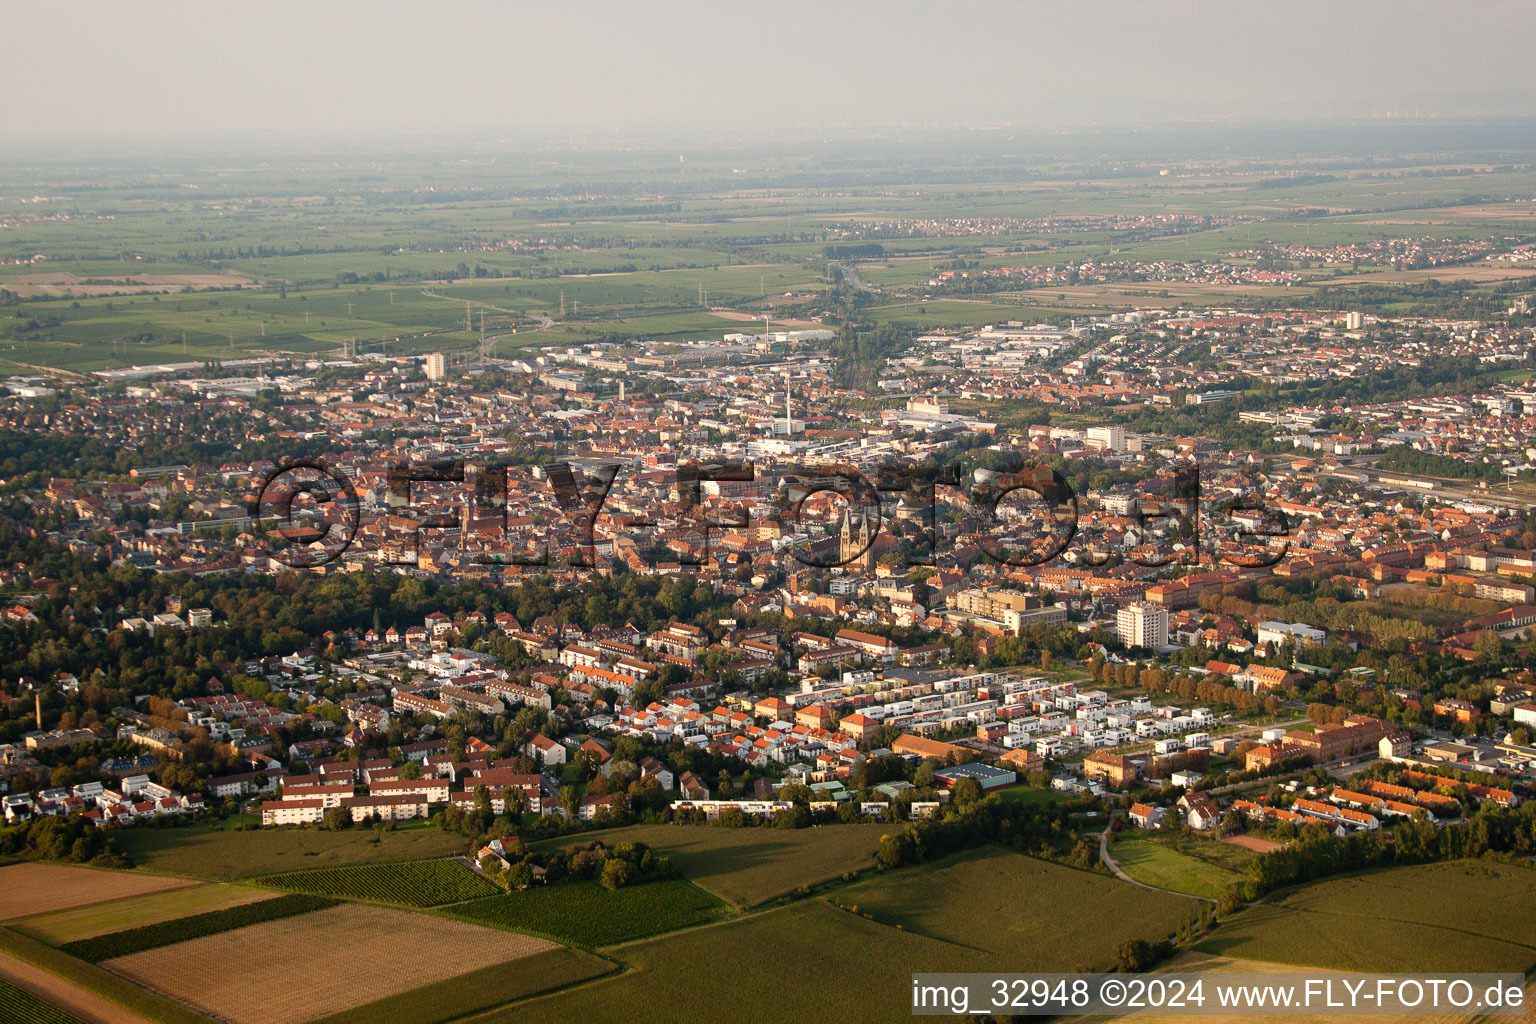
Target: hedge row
(151,936)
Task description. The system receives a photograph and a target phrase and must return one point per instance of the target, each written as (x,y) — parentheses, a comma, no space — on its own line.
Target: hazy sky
(380,66)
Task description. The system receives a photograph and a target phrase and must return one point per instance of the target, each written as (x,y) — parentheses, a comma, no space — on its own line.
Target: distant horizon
(387,69)
(468,144)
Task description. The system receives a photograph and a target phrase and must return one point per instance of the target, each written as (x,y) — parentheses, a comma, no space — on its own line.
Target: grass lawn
(1039,915)
(1454,916)
(748,866)
(1226,856)
(1160,864)
(1030,795)
(586,914)
(202,852)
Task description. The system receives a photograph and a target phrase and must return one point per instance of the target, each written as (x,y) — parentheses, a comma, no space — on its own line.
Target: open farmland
(478,990)
(18,1006)
(27,889)
(1458,915)
(165,933)
(1018,906)
(747,866)
(211,853)
(83,989)
(424,883)
(1216,966)
(136,911)
(373,950)
(808,954)
(586,914)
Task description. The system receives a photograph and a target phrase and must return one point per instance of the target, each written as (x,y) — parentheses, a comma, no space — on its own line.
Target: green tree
(966,791)
(617,873)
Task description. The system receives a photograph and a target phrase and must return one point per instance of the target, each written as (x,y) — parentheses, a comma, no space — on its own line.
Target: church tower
(855,549)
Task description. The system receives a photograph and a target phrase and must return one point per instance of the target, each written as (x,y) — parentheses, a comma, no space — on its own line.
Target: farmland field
(164,933)
(374,950)
(1016,906)
(1458,915)
(87,991)
(18,1006)
(586,914)
(747,866)
(1161,865)
(27,889)
(478,990)
(808,955)
(84,922)
(208,853)
(422,883)
(1214,966)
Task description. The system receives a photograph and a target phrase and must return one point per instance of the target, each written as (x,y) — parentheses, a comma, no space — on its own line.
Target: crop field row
(18,1006)
(32,888)
(588,915)
(164,933)
(90,991)
(423,883)
(309,966)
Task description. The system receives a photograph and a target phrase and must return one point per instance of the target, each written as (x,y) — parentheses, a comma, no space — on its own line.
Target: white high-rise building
(1108,438)
(436,368)
(1142,625)
(1354,320)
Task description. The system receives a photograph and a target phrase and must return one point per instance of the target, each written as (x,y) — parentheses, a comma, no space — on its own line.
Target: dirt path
(1114,866)
(88,1006)
(1254,843)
